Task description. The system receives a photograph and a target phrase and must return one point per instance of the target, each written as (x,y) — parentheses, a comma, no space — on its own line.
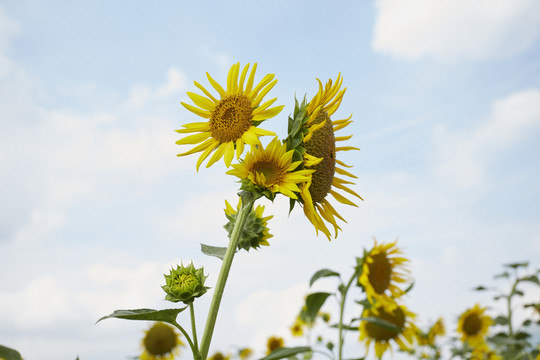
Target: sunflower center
(322,145)
(185,281)
(380,273)
(472,324)
(378,333)
(275,343)
(271,171)
(231,118)
(160,340)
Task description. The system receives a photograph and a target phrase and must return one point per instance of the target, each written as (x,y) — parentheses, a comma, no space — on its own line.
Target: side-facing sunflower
(233,116)
(273,343)
(473,325)
(160,342)
(383,269)
(255,232)
(311,134)
(270,170)
(400,317)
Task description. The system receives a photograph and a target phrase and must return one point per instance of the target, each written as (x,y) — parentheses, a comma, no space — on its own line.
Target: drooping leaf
(517,265)
(345,327)
(504,274)
(167,315)
(314,302)
(282,353)
(501,320)
(365,303)
(480,288)
(9,354)
(215,251)
(322,273)
(532,278)
(382,323)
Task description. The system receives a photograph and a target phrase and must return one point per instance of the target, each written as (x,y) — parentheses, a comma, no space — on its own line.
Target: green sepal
(167,315)
(9,354)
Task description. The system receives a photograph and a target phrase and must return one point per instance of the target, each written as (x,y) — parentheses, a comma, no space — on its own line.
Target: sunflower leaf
(314,302)
(322,273)
(167,315)
(532,278)
(9,354)
(501,320)
(517,265)
(215,251)
(382,323)
(282,353)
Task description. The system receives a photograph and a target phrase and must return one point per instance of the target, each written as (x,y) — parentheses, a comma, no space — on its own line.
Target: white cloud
(463,156)
(8,29)
(140,94)
(452,30)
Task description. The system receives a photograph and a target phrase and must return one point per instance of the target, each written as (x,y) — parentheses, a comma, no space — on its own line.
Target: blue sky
(95,205)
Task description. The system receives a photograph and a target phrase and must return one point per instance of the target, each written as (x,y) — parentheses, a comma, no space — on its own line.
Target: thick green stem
(341,311)
(247,205)
(193,327)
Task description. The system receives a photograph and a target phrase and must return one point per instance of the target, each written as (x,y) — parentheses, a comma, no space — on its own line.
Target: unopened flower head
(312,137)
(255,232)
(473,325)
(232,116)
(383,269)
(160,342)
(382,337)
(268,171)
(185,283)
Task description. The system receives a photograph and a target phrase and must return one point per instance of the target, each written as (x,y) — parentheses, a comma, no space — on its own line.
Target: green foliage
(314,302)
(321,274)
(185,283)
(9,354)
(167,315)
(285,352)
(214,251)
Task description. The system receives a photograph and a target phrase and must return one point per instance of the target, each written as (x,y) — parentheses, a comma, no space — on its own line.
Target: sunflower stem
(247,205)
(193,327)
(341,312)
(194,350)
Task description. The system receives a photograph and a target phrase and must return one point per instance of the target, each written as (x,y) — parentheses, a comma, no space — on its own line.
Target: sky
(95,206)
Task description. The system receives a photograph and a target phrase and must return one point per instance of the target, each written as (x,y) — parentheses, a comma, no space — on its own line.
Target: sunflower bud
(255,232)
(185,284)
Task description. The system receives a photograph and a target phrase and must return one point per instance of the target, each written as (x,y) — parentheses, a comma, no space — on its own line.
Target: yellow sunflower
(232,119)
(297,329)
(219,356)
(270,170)
(484,352)
(160,342)
(428,339)
(312,136)
(473,325)
(255,232)
(383,269)
(245,353)
(382,336)
(273,343)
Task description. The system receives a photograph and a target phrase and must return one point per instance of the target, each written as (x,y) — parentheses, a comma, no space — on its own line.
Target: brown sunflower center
(274,343)
(160,340)
(322,145)
(472,324)
(272,172)
(231,118)
(379,333)
(380,273)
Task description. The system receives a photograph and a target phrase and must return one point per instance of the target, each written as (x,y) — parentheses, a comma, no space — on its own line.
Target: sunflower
(270,171)
(370,331)
(160,342)
(383,269)
(273,343)
(255,232)
(219,356)
(232,119)
(484,352)
(428,339)
(245,353)
(473,325)
(297,329)
(312,137)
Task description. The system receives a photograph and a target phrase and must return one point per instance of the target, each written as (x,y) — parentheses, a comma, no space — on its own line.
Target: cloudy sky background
(95,206)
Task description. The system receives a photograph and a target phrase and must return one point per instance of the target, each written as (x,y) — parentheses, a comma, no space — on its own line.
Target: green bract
(255,232)
(185,284)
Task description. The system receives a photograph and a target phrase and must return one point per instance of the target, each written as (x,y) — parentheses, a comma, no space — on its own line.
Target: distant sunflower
(297,329)
(383,269)
(381,336)
(484,352)
(255,232)
(219,356)
(312,137)
(473,325)
(245,353)
(160,342)
(232,119)
(428,339)
(270,170)
(273,343)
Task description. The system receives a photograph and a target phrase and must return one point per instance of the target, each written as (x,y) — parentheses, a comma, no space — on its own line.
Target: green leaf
(517,265)
(409,288)
(167,315)
(314,302)
(480,288)
(501,320)
(532,278)
(215,251)
(282,353)
(345,327)
(9,354)
(504,274)
(365,303)
(517,292)
(382,323)
(322,273)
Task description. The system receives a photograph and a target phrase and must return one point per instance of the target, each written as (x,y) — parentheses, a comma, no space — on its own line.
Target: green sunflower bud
(185,284)
(255,232)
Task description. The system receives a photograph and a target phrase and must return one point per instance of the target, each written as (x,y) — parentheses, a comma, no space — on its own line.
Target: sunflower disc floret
(312,137)
(185,283)
(255,232)
(231,118)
